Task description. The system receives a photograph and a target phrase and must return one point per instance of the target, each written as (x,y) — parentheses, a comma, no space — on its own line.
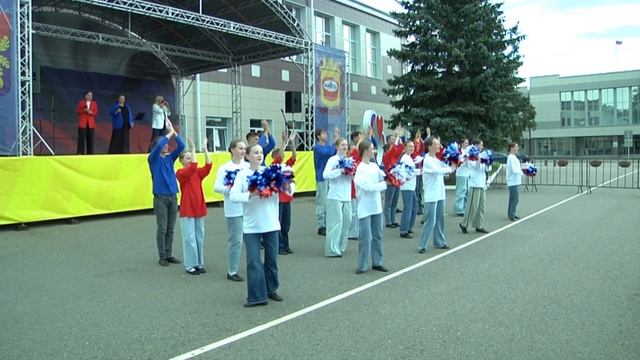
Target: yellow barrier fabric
(57,187)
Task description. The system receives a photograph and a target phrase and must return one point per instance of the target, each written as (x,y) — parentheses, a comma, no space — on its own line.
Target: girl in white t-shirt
(338,202)
(370,184)
(408,192)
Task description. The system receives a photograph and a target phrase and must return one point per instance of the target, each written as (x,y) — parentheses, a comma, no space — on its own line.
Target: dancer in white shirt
(260,225)
(474,212)
(370,184)
(338,202)
(232,211)
(514,180)
(462,181)
(408,192)
(434,197)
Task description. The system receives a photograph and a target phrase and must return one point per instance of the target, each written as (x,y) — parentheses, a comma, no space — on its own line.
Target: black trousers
(85,137)
(119,141)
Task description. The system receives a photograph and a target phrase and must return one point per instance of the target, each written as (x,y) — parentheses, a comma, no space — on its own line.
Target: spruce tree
(460,75)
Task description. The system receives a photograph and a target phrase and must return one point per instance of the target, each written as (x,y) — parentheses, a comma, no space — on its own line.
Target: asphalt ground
(564,283)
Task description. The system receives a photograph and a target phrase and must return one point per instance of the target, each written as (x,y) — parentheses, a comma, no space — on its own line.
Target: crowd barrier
(57,187)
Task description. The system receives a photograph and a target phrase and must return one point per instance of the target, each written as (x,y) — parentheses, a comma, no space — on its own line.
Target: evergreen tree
(460,72)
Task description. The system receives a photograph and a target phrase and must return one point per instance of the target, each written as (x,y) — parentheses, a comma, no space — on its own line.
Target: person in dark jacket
(122,122)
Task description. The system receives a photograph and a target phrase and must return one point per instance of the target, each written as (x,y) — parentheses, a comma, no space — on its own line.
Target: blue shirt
(321,154)
(163,174)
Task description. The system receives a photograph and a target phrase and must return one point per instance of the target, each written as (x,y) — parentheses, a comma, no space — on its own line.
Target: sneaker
(283,252)
(444,247)
(173,260)
(463,228)
(193,271)
(201,269)
(482,230)
(422,251)
(235,277)
(163,262)
(406,236)
(248,305)
(289,251)
(275,297)
(322,231)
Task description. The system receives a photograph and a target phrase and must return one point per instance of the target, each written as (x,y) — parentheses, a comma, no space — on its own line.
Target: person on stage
(370,183)
(165,188)
(193,208)
(338,199)
(233,212)
(122,122)
(160,115)
(86,110)
(260,225)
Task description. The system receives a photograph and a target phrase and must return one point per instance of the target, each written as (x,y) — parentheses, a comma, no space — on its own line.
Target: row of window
(592,145)
(325,34)
(600,107)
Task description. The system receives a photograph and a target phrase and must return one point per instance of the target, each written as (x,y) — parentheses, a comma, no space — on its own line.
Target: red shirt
(418,151)
(283,196)
(355,155)
(392,156)
(85,119)
(191,196)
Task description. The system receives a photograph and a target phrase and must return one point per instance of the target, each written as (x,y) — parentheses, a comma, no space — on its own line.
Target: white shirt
(231,209)
(514,170)
(160,114)
(463,170)
(478,177)
(433,172)
(339,184)
(260,214)
(88,104)
(370,183)
(410,183)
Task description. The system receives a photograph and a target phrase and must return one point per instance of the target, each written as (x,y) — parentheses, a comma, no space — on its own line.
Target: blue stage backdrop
(9,85)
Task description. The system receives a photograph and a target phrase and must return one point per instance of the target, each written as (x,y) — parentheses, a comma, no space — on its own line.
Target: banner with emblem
(330,111)
(9,86)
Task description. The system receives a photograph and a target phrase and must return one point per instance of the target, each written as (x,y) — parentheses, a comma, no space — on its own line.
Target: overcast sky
(570,37)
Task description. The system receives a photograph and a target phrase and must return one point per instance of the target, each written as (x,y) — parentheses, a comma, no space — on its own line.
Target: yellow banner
(57,187)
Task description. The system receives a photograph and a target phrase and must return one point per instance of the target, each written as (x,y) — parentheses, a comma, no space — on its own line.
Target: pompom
(486,157)
(474,152)
(530,170)
(347,165)
(230,177)
(451,153)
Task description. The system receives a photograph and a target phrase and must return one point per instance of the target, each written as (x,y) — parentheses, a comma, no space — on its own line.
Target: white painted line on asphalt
(299,313)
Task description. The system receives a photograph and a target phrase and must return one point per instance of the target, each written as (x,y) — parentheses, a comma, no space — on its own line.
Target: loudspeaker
(292,102)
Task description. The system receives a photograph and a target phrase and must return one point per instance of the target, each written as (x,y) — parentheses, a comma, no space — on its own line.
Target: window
(285,75)
(350,46)
(374,90)
(217,131)
(256,125)
(635,105)
(255,70)
(622,106)
(565,108)
(578,108)
(371,44)
(323,30)
(354,86)
(593,107)
(607,107)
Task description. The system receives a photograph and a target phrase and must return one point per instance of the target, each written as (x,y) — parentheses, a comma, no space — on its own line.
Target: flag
(618,42)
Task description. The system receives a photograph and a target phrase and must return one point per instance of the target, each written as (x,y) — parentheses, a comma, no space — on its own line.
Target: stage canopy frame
(190,37)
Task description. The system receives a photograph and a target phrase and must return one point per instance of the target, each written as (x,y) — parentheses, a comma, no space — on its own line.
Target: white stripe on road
(301,312)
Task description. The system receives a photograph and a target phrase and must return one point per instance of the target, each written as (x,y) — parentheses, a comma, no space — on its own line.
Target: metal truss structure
(180,60)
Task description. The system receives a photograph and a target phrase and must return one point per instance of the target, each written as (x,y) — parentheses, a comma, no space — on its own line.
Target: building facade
(596,114)
(364,33)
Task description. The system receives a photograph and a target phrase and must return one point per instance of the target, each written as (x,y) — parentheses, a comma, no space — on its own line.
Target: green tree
(460,74)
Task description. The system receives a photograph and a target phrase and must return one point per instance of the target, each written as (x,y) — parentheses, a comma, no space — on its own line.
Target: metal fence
(585,173)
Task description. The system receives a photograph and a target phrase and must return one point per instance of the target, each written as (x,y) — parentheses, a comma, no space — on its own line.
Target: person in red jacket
(87,110)
(392,154)
(284,215)
(193,208)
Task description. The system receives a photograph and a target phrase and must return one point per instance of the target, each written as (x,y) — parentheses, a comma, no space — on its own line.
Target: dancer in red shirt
(193,208)
(284,197)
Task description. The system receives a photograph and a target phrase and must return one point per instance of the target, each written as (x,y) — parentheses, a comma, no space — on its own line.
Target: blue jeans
(462,190)
(262,278)
(234,246)
(370,242)
(391,196)
(433,225)
(192,241)
(166,210)
(514,199)
(285,226)
(419,190)
(410,210)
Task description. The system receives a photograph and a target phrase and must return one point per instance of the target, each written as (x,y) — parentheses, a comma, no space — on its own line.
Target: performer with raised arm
(408,191)
(233,212)
(265,139)
(393,152)
(122,122)
(284,215)
(165,188)
(160,116)
(193,207)
(321,154)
